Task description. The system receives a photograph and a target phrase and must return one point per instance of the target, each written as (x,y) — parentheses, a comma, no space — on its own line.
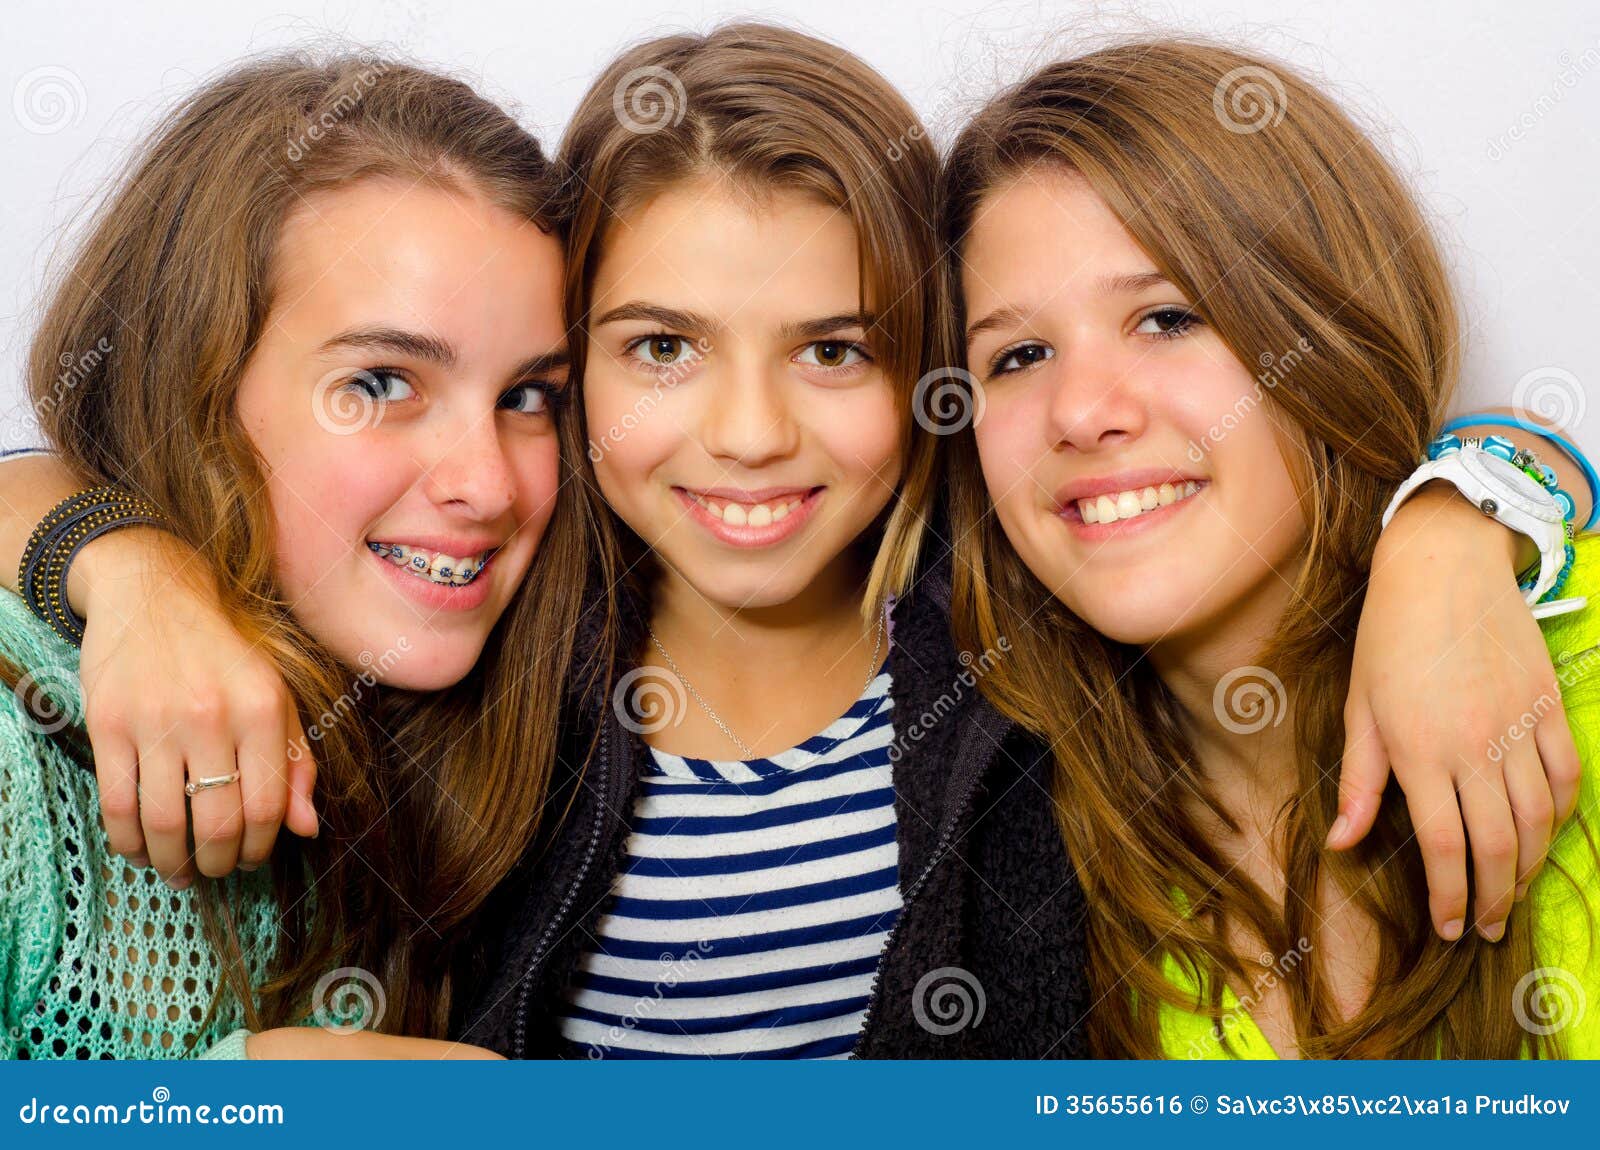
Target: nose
(1094,404)
(746,417)
(468,469)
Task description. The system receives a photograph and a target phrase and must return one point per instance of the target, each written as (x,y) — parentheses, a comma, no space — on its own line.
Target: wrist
(115,565)
(1438,513)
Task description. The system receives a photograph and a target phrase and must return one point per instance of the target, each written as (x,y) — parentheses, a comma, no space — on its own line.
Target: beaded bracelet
(1591,476)
(56,541)
(1544,475)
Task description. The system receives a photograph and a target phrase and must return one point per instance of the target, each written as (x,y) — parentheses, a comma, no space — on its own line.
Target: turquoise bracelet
(1528,463)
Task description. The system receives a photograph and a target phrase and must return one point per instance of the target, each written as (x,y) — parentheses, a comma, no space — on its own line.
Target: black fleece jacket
(992,910)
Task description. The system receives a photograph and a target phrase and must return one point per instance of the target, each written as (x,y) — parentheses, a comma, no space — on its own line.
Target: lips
(750,518)
(1127,503)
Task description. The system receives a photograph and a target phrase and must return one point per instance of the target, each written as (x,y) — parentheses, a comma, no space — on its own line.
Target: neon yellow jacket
(1563,993)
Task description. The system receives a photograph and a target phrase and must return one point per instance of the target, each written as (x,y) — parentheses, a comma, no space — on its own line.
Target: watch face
(1501,474)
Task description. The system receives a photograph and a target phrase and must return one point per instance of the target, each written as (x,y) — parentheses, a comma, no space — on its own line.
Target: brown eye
(659,350)
(1020,358)
(1167,322)
(832,353)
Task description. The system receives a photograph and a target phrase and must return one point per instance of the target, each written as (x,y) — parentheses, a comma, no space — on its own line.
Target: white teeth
(747,514)
(434,566)
(1111,508)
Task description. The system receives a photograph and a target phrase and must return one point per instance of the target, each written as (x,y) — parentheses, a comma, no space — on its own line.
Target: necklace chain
(744,748)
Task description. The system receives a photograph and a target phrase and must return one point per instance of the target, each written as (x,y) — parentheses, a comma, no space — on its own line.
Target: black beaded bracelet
(56,541)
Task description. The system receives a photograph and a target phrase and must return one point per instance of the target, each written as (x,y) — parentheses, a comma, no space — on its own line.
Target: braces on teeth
(445,570)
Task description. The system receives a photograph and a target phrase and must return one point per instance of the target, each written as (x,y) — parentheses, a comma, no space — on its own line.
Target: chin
(1130,620)
(423,661)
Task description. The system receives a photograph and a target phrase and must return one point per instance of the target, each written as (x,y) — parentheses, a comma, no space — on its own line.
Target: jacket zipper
(525,988)
(939,853)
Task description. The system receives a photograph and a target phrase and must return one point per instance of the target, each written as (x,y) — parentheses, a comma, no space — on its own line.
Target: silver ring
(195,786)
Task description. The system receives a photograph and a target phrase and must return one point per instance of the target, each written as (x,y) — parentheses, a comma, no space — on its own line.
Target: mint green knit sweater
(97,959)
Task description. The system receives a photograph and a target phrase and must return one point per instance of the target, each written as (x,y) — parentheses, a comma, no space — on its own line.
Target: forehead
(1046,221)
(711,245)
(416,254)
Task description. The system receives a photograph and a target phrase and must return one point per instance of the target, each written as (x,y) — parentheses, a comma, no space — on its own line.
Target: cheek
(861,431)
(537,468)
(1009,443)
(631,430)
(325,492)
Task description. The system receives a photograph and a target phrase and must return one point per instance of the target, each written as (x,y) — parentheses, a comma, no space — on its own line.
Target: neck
(775,674)
(1237,713)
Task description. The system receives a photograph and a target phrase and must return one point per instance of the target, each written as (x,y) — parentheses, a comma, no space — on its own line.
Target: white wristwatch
(1502,490)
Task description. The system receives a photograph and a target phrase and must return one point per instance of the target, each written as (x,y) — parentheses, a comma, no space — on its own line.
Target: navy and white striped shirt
(754,903)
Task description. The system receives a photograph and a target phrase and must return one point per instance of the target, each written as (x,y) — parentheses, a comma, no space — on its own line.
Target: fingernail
(1522,891)
(1340,825)
(1452,929)
(249,866)
(140,861)
(181,882)
(1493,933)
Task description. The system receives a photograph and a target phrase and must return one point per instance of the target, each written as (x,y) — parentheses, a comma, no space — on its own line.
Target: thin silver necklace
(744,748)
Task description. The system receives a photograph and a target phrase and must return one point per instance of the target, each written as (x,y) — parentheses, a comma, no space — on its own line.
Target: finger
(116,772)
(214,812)
(1532,810)
(1363,774)
(302,815)
(264,771)
(164,812)
(1492,833)
(1559,754)
(1436,818)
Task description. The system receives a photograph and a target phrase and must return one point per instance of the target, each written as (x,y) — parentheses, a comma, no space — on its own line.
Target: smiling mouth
(761,513)
(434,566)
(1113,507)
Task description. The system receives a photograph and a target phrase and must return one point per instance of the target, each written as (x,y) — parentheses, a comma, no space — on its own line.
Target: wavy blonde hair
(442,792)
(1294,227)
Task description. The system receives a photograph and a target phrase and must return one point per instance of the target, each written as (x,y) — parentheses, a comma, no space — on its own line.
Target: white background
(1492,109)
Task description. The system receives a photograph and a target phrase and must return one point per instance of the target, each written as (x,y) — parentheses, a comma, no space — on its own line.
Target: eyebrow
(417,345)
(675,318)
(1122,283)
(825,325)
(392,339)
(678,319)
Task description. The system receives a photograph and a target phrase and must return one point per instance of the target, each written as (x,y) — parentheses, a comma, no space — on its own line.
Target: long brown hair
(1271,210)
(770,107)
(438,793)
